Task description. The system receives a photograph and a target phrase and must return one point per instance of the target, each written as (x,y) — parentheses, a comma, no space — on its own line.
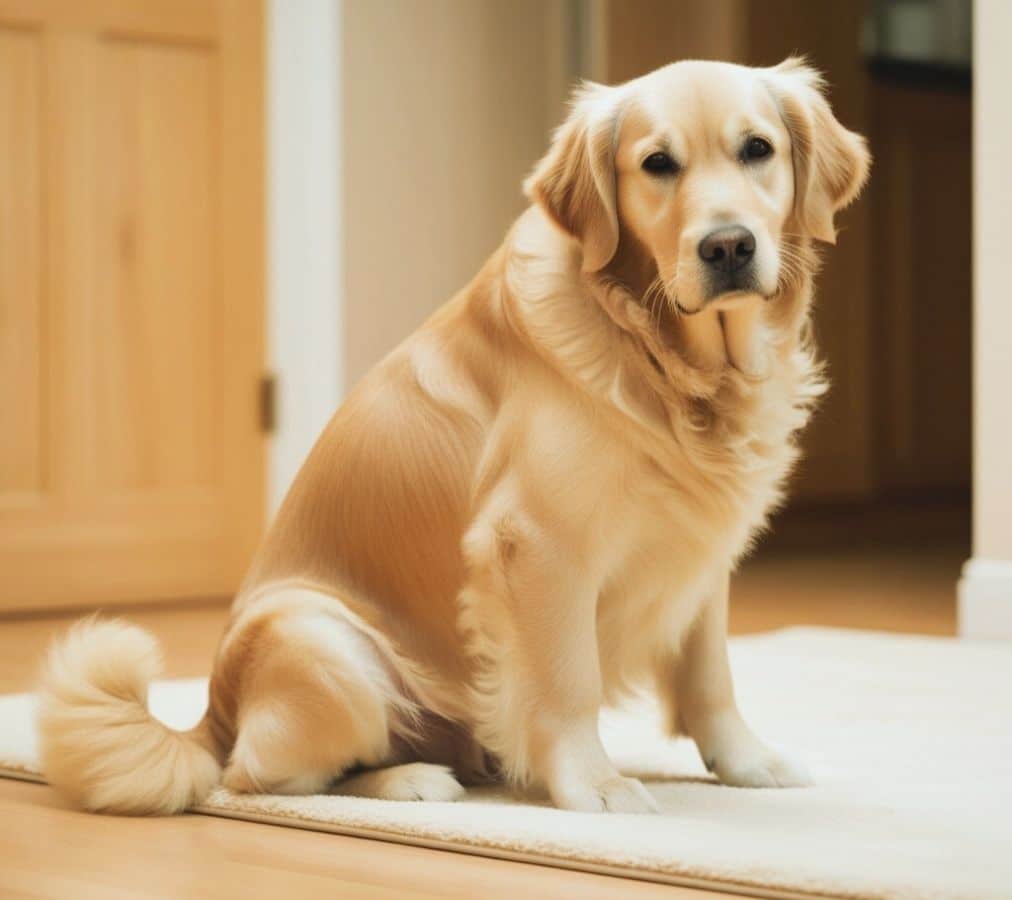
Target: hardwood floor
(48,850)
(910,590)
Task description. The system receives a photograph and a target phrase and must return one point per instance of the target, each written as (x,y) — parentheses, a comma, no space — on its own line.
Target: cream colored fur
(532,506)
(98,742)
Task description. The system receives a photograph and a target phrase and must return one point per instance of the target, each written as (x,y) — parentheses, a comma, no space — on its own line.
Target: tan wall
(447,105)
(645,34)
(992,518)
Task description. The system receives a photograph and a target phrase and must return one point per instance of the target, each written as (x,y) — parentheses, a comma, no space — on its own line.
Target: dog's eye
(660,164)
(756,148)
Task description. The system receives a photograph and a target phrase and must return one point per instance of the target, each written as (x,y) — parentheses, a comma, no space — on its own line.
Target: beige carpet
(910,740)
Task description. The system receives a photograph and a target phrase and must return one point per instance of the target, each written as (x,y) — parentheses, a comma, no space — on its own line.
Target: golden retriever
(532,506)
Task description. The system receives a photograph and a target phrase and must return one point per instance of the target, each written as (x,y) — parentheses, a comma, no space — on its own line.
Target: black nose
(728,249)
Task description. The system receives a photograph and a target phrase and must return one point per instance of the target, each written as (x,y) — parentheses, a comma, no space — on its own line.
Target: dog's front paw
(757,766)
(616,794)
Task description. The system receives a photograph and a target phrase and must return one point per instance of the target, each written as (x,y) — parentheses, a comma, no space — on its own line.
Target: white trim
(985,599)
(305,270)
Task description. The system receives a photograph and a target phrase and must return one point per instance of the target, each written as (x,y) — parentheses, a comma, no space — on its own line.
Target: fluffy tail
(99,744)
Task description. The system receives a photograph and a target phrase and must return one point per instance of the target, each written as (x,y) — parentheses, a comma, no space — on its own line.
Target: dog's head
(699,172)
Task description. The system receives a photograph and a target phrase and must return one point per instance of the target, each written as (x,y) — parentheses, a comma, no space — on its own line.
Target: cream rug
(910,740)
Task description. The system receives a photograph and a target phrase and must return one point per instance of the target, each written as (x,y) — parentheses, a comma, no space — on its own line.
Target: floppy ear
(575,182)
(830,163)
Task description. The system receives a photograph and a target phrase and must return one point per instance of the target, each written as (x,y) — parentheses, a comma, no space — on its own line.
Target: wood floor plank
(48,850)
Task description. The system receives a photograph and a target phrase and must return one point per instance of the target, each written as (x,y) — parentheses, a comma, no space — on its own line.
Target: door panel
(156,224)
(131,293)
(924,340)
(22,387)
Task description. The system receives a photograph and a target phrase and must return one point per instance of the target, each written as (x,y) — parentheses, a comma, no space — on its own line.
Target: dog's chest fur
(683,483)
(686,524)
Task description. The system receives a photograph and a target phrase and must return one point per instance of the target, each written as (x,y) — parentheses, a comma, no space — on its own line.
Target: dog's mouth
(726,330)
(724,300)
(694,287)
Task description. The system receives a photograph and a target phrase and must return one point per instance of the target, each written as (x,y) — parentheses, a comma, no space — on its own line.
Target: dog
(531,507)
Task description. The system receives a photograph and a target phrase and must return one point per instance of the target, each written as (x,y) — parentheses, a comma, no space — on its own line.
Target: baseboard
(985,599)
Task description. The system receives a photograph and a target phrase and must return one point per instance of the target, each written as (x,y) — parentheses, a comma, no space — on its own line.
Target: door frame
(305,296)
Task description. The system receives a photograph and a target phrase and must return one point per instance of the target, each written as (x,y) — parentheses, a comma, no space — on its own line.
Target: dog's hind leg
(317,699)
(411,781)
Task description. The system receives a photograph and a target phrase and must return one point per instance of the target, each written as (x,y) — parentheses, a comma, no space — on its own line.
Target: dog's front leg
(530,608)
(698,689)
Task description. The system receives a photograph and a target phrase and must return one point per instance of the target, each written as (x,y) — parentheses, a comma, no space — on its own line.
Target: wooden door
(131,298)
(922,196)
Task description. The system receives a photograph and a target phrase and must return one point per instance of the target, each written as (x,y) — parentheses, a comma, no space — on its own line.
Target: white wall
(986,587)
(399,132)
(448,104)
(305,246)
